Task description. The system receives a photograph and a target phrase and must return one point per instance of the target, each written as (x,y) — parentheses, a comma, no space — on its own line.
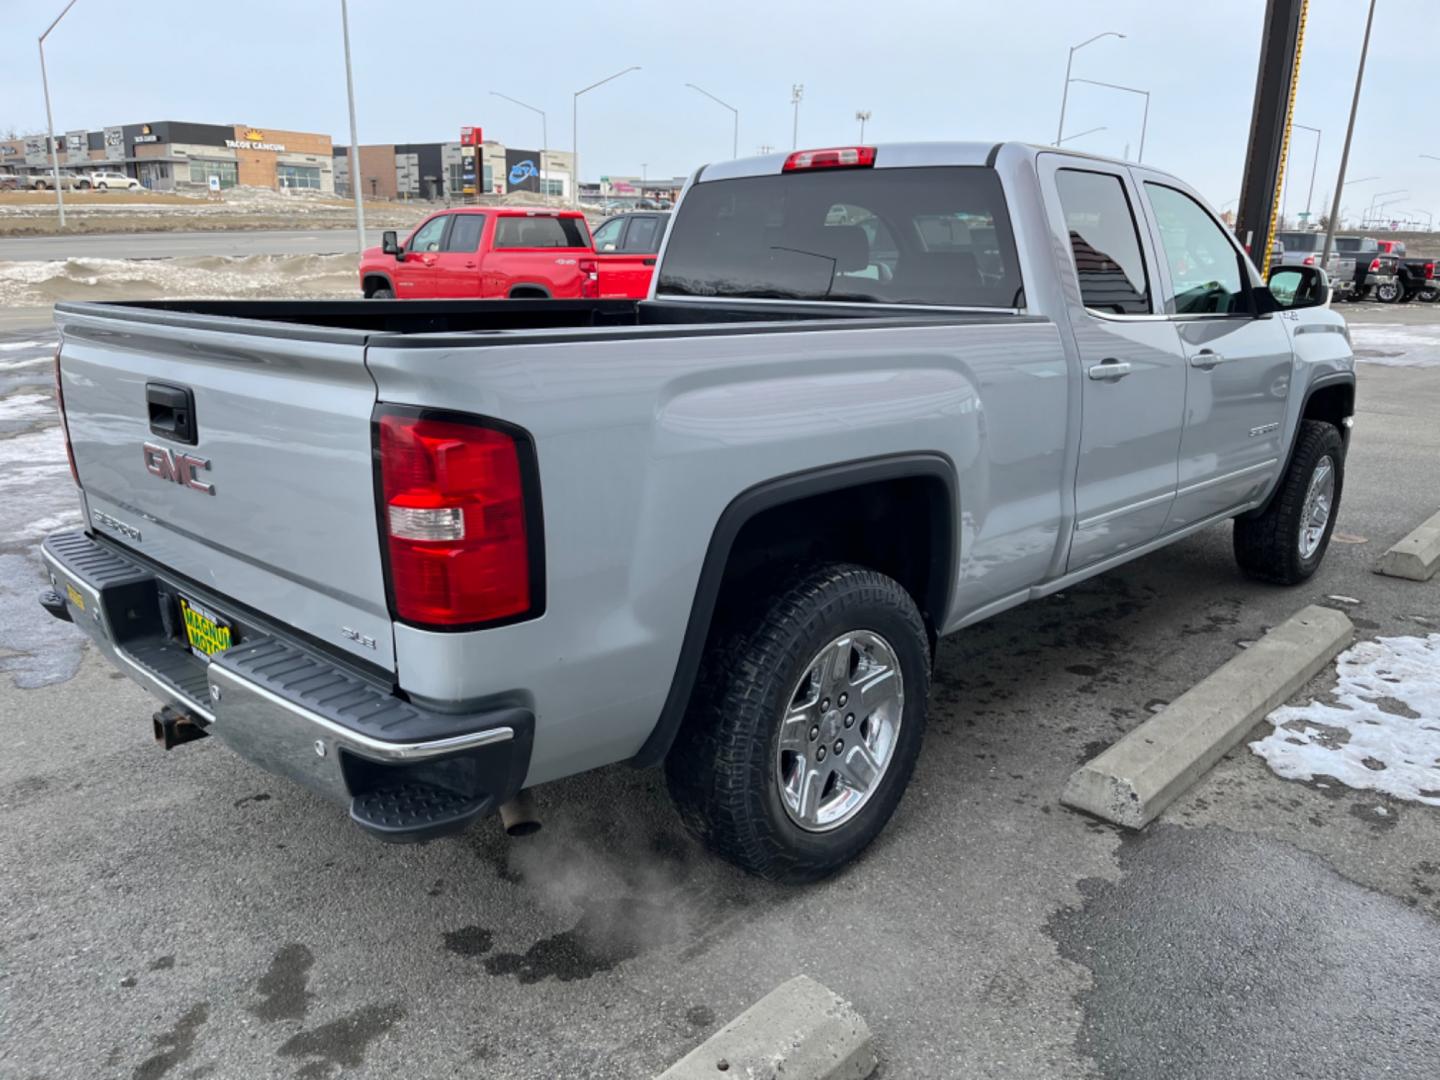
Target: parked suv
(103,180)
(481,252)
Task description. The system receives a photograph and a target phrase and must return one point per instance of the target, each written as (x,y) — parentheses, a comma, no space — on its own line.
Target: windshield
(935,236)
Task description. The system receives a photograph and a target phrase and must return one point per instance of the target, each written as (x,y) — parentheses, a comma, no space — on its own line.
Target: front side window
(465,233)
(642,235)
(929,235)
(427,237)
(1205,274)
(540,232)
(1105,242)
(607,236)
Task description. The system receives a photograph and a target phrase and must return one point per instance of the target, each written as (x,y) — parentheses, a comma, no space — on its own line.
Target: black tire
(723,770)
(1428,295)
(1268,544)
(41,185)
(382,294)
(1389,293)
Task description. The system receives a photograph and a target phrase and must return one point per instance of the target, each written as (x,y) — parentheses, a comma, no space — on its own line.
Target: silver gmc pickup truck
(422,556)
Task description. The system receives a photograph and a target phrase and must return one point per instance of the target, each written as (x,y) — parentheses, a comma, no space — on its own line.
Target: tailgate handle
(172,411)
(649,262)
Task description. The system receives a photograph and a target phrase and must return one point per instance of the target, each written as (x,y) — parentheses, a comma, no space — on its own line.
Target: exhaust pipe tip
(519,816)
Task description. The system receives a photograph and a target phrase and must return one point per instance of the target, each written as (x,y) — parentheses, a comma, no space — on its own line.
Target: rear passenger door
(1132,374)
(1238,365)
(457,265)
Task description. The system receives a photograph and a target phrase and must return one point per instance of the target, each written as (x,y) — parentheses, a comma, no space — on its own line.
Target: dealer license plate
(205,632)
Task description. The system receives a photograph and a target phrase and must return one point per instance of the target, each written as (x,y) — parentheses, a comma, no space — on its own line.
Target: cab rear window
(540,232)
(933,236)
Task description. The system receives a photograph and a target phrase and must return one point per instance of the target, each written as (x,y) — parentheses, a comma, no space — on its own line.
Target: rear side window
(935,236)
(540,232)
(465,232)
(1105,242)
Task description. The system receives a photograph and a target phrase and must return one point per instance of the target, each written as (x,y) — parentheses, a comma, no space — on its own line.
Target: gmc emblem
(178,468)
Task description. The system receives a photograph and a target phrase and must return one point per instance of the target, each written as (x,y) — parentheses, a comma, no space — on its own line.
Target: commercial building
(443,170)
(170,155)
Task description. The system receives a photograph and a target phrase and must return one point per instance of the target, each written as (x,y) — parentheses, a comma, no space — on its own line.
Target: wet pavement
(181,915)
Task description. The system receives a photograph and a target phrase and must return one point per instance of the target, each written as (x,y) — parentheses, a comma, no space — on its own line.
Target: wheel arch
(376,277)
(1331,399)
(930,473)
(525,288)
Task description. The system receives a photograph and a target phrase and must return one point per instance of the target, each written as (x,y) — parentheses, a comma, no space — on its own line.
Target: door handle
(649,262)
(1109,369)
(469,266)
(1206,359)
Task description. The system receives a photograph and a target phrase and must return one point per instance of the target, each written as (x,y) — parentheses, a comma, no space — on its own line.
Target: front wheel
(382,294)
(1286,542)
(805,725)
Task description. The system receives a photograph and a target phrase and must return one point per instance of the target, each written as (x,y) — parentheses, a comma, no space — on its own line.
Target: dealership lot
(177,914)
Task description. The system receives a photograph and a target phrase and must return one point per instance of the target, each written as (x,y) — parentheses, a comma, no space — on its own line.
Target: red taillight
(1309,260)
(453,509)
(1429,271)
(1374,266)
(589,279)
(835,157)
(64,423)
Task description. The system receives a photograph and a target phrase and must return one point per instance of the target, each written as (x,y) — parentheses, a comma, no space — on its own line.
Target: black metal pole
(1269,126)
(1332,224)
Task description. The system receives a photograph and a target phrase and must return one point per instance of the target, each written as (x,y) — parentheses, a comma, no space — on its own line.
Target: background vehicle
(1304,247)
(1375,271)
(626,247)
(420,556)
(103,180)
(474,253)
(1416,276)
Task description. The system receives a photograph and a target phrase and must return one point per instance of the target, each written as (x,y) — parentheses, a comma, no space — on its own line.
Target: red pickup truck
(482,252)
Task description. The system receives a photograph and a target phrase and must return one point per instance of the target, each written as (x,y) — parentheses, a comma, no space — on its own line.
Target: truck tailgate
(273,504)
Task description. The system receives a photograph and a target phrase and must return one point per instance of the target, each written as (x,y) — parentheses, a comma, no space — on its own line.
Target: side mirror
(390,246)
(1294,287)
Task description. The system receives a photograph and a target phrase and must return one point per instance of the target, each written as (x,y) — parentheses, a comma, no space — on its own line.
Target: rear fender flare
(765,496)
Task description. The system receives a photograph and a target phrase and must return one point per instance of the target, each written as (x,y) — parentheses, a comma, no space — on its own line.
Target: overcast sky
(926,69)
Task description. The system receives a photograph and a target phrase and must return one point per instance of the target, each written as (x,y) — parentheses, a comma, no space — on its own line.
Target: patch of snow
(189,277)
(1343,599)
(1359,740)
(11,346)
(1396,344)
(26,407)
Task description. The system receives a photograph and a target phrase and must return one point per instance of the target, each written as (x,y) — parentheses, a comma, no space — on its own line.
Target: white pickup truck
(423,555)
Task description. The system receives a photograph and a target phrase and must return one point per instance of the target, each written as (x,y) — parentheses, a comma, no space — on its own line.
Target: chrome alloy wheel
(841,724)
(1319,499)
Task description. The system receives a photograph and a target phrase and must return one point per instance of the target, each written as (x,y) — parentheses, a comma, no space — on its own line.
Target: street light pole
(49,120)
(1349,134)
(544,134)
(735,118)
(1370,210)
(862,115)
(797,91)
(1313,166)
(1081,134)
(1144,120)
(575,129)
(354,138)
(1069,62)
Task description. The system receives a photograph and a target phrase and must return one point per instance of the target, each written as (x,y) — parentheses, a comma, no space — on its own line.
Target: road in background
(168,245)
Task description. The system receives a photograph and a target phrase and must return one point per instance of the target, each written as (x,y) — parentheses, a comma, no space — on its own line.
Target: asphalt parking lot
(183,914)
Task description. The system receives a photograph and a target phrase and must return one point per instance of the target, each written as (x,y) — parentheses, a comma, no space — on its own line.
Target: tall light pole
(354,138)
(1370,210)
(735,118)
(544,134)
(1432,157)
(1065,94)
(49,120)
(1144,120)
(1314,164)
(1349,134)
(862,115)
(797,92)
(575,130)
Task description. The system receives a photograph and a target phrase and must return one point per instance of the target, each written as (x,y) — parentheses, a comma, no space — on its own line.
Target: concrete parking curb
(1417,557)
(1133,781)
(800,1030)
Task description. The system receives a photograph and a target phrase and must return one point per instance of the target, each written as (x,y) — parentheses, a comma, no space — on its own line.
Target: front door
(456,273)
(1132,375)
(1238,365)
(639,246)
(415,277)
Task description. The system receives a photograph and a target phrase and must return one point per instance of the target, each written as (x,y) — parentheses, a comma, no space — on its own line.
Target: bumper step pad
(412,811)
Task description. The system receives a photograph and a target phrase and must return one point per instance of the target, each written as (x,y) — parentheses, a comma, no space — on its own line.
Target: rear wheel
(1287,541)
(1429,294)
(1388,293)
(805,725)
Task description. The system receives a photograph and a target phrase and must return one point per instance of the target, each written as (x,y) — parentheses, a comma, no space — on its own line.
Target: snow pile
(1382,733)
(1396,344)
(190,278)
